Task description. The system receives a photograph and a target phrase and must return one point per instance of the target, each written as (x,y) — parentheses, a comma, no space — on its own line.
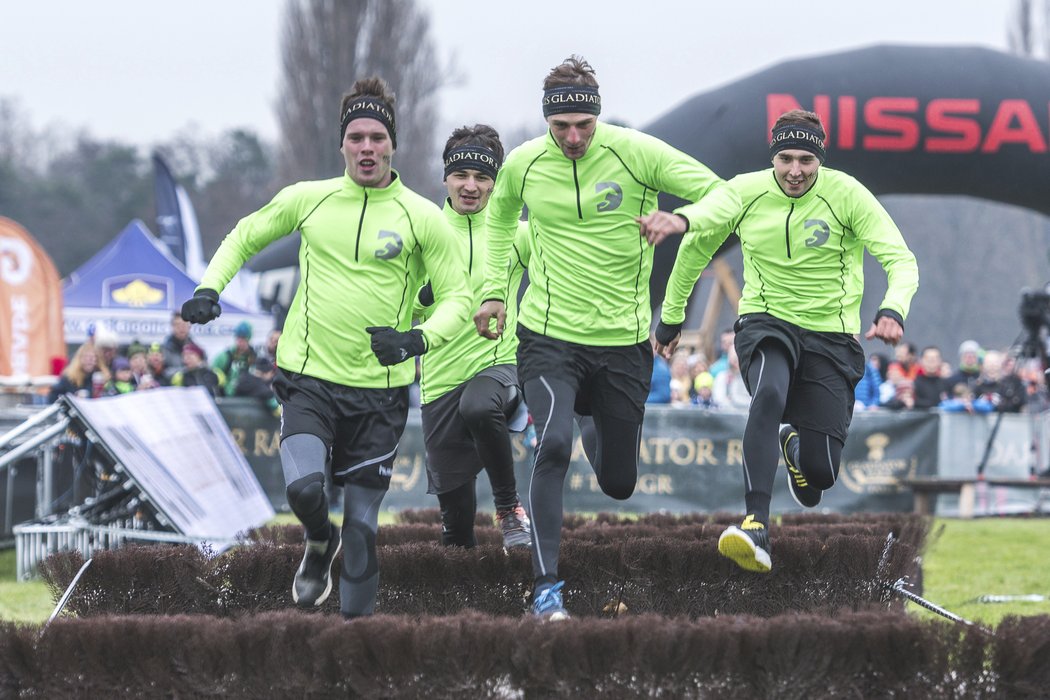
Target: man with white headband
(591,191)
(345,358)
(803,231)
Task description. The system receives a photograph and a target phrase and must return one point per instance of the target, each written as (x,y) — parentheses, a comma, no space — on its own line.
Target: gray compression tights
(359,575)
(611,444)
(303,459)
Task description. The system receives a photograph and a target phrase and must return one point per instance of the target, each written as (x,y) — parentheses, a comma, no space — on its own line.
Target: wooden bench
(926,489)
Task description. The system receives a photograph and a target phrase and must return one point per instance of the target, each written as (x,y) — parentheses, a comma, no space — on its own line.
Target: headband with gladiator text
(369,107)
(571,98)
(797,136)
(472,158)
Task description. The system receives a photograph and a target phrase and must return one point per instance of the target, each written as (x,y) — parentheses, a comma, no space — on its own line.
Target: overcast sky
(142,71)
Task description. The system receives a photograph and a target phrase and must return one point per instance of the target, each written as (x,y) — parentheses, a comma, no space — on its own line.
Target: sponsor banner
(154,325)
(691,460)
(31,340)
(177,450)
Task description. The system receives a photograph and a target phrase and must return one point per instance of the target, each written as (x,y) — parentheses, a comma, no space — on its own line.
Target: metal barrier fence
(35,542)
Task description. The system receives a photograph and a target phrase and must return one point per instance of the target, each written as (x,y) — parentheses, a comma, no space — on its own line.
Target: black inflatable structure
(901,119)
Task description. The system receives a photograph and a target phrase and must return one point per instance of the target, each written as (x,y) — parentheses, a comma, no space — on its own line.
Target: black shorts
(614,379)
(452,458)
(825,370)
(360,427)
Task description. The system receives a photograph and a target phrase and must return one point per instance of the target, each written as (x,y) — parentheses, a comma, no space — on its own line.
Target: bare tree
(326,45)
(1028,31)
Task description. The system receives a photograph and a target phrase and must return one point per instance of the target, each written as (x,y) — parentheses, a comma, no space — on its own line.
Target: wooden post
(727,289)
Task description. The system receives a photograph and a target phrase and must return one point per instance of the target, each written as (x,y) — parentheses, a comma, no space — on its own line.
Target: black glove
(392,347)
(203,307)
(666,332)
(426,295)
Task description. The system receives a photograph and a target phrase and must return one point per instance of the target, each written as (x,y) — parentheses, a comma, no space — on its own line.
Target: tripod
(1031,347)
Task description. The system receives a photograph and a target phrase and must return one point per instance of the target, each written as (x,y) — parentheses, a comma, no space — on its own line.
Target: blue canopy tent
(133,285)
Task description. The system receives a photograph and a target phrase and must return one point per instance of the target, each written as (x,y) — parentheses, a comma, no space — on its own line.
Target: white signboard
(175,446)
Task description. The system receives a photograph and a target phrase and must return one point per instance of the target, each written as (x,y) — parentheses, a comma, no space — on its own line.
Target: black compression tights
(484,406)
(613,451)
(818,457)
(819,454)
(458,508)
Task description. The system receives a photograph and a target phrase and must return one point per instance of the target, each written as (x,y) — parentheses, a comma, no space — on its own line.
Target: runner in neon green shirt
(585,318)
(803,231)
(469,386)
(368,243)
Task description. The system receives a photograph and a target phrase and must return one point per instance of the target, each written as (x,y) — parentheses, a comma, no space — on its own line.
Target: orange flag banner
(31,335)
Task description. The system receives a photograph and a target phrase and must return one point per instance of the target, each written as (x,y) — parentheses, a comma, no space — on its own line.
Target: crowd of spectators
(103,366)
(980,380)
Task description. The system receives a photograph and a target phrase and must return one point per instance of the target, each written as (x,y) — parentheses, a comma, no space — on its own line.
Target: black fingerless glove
(203,307)
(391,346)
(666,332)
(426,295)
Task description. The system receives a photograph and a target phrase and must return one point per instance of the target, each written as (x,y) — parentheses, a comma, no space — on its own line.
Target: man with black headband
(803,231)
(469,386)
(585,318)
(345,356)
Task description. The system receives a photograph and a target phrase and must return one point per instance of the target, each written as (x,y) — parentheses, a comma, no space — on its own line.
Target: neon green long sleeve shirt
(803,256)
(590,268)
(364,253)
(467,353)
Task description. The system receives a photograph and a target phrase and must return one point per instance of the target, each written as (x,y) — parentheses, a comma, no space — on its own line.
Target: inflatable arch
(901,119)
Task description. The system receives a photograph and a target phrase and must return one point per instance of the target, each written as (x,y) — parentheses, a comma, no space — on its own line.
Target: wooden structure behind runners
(926,489)
(725,289)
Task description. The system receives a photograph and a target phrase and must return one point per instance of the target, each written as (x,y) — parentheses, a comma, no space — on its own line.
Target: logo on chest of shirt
(392,247)
(613,195)
(818,231)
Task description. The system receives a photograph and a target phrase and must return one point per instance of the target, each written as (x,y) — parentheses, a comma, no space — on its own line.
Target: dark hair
(801,117)
(372,87)
(574,70)
(477,135)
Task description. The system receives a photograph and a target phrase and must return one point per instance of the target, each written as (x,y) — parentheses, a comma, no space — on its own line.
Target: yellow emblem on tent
(138,293)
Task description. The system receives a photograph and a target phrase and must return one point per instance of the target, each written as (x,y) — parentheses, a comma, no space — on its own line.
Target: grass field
(965,559)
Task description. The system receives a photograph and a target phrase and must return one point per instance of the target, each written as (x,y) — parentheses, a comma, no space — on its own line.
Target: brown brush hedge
(292,654)
(665,565)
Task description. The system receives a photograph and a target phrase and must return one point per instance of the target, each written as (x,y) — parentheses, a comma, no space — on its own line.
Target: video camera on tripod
(1035,320)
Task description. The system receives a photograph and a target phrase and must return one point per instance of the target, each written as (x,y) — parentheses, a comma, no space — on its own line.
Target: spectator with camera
(84,376)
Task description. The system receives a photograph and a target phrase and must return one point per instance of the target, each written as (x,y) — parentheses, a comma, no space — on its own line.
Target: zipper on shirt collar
(470,238)
(576,179)
(360,225)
